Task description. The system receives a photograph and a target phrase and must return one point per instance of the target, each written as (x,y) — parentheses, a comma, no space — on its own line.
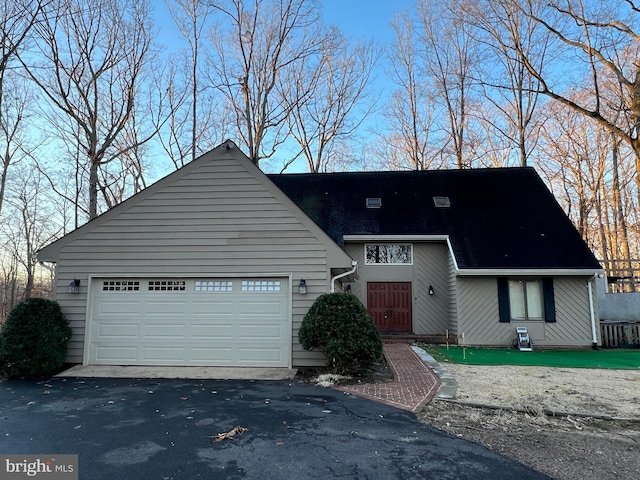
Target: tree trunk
(619,210)
(93,189)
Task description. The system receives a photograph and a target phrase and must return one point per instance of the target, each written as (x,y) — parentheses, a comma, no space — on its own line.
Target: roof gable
(497,219)
(220,198)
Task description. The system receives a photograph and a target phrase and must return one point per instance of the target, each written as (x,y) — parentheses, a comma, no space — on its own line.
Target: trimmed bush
(34,340)
(338,325)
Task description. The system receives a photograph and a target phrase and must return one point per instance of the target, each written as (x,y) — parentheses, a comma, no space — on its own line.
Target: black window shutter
(549,300)
(503,300)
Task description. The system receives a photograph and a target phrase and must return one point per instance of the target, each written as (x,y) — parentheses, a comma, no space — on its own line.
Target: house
(217,263)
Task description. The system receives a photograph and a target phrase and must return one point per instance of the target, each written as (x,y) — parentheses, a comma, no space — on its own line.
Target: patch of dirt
(564,447)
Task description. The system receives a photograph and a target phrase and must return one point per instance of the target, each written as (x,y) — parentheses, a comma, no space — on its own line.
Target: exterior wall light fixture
(74,286)
(302,287)
(431,292)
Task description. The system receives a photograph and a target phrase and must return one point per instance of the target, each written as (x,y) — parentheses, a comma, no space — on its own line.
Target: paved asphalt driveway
(162,429)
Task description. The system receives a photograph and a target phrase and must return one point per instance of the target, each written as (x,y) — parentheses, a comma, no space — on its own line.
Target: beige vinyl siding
(572,306)
(479,320)
(217,216)
(431,313)
(478,313)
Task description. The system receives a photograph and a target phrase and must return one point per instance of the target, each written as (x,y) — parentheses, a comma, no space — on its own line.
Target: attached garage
(244,322)
(202,268)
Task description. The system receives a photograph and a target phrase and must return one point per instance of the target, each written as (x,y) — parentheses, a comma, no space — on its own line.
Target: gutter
(354,264)
(543,272)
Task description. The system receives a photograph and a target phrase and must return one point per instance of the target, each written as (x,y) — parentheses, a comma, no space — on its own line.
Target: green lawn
(610,358)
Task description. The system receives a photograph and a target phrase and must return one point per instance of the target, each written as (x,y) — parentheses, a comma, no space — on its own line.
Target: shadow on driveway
(163,429)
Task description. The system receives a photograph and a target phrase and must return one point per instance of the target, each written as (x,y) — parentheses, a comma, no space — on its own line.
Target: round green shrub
(34,339)
(338,325)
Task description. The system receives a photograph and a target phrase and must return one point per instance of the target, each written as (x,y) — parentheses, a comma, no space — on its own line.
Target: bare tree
(196,123)
(512,91)
(451,55)
(17,19)
(591,172)
(410,110)
(29,226)
(94,58)
(339,78)
(602,37)
(255,43)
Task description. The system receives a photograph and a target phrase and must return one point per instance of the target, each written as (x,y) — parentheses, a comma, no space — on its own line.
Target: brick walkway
(414,383)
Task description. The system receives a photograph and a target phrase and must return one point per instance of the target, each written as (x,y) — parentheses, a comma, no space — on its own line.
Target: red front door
(389,303)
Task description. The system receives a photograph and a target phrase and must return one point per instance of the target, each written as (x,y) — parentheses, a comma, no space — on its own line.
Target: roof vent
(374,202)
(441,202)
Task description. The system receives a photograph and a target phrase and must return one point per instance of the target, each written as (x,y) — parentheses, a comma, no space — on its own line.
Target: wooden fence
(618,334)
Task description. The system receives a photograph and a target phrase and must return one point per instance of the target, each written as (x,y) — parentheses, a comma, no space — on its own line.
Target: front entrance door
(389,303)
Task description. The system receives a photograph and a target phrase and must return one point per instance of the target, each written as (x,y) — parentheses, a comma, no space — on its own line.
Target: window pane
(516,299)
(534,298)
(388,253)
(372,254)
(400,254)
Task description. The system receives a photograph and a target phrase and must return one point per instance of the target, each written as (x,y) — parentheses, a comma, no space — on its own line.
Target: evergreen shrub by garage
(34,339)
(338,325)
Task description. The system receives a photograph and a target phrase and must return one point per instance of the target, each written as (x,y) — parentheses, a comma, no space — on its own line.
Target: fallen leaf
(230,434)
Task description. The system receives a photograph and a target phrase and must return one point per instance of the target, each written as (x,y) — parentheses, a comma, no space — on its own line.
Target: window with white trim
(213,286)
(261,286)
(388,254)
(167,285)
(120,286)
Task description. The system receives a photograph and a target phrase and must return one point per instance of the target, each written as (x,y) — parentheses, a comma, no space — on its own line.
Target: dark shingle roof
(498,218)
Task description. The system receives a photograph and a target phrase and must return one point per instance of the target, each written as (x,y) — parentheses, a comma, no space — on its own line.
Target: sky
(357,19)
(364,18)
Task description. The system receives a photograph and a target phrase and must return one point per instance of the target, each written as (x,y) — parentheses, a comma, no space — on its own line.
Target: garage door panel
(163,355)
(165,332)
(205,331)
(261,307)
(254,354)
(115,307)
(117,331)
(230,322)
(212,307)
(220,355)
(115,355)
(162,308)
(256,330)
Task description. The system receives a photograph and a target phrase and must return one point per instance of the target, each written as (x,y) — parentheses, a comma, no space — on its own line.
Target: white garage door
(207,322)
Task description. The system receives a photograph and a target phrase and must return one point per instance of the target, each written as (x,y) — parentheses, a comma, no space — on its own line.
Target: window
(374,202)
(441,202)
(398,254)
(261,285)
(120,286)
(167,285)
(526,299)
(213,286)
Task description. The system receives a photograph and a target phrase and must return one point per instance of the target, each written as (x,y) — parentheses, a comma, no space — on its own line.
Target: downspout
(354,264)
(594,334)
(453,257)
